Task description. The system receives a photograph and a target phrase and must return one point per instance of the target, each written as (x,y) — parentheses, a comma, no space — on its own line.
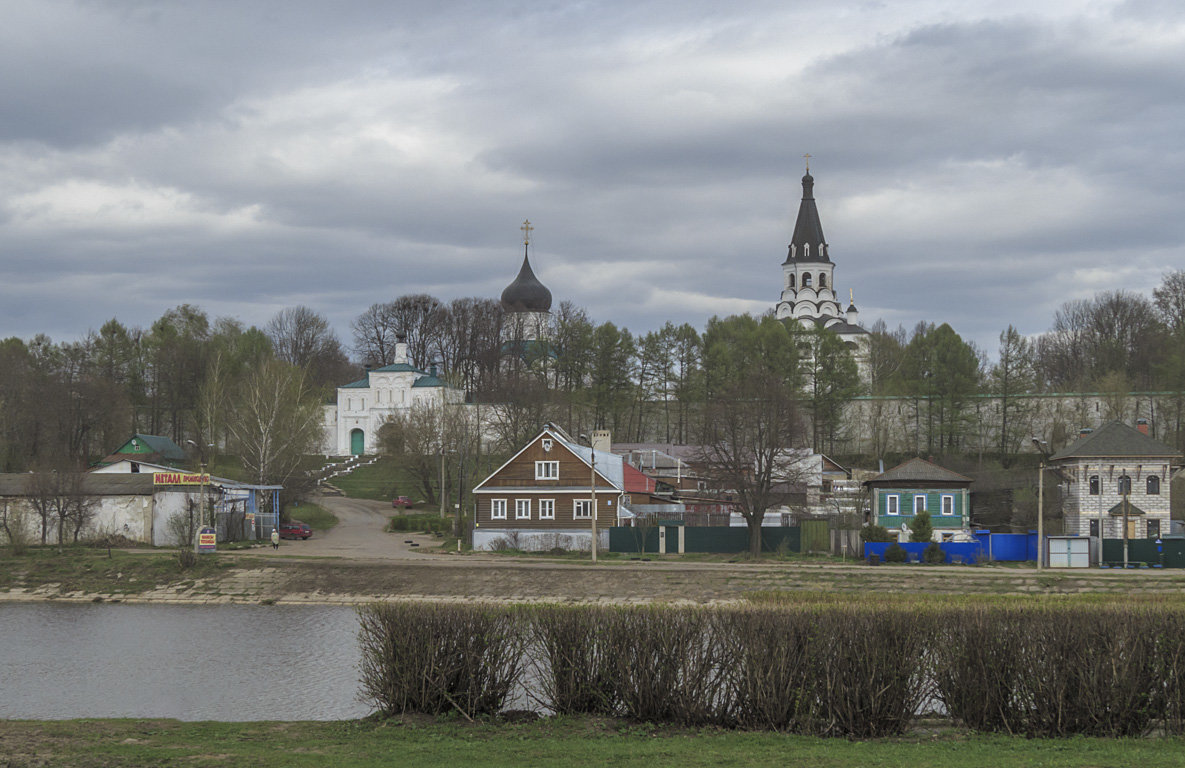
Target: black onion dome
(526,293)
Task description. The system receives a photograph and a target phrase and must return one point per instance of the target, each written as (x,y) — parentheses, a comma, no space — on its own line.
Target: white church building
(352,424)
(808,288)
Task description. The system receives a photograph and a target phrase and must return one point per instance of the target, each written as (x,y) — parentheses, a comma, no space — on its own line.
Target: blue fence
(987,547)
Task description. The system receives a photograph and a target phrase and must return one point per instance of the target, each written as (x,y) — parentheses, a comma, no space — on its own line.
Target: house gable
(572,469)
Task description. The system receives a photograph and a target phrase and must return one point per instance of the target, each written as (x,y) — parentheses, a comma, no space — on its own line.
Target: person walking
(275,538)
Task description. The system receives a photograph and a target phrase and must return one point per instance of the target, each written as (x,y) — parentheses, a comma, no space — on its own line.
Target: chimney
(601,440)
(432,370)
(401,348)
(1142,425)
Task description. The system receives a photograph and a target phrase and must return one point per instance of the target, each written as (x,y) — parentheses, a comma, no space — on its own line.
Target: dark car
(295,530)
(401,501)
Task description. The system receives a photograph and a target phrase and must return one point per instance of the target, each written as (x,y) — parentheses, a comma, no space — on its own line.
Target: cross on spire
(526,228)
(808,162)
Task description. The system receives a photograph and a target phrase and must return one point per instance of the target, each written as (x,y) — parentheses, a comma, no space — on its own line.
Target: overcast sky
(977,163)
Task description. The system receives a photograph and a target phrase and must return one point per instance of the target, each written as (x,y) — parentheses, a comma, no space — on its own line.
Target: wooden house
(901,492)
(543,497)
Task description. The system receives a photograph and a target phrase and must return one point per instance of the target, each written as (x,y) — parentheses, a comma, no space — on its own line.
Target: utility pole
(1042,448)
(592,492)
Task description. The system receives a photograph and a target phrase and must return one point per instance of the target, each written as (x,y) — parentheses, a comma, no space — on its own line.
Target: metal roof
(1115,439)
(805,245)
(918,471)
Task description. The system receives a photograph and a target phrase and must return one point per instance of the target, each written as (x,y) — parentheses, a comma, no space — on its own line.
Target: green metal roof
(142,445)
(429,381)
(398,368)
(359,384)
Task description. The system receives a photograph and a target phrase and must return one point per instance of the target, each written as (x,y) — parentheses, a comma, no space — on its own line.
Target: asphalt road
(358,535)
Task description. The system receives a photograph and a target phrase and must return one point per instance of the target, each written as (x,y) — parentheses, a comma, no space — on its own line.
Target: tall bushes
(831,670)
(436,658)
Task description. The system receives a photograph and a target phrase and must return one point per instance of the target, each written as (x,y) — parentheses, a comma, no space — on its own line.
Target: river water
(201,662)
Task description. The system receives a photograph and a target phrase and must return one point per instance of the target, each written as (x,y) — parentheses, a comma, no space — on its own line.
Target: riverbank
(261,576)
(557,741)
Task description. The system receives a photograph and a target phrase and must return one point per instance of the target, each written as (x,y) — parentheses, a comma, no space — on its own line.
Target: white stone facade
(351,425)
(1081,506)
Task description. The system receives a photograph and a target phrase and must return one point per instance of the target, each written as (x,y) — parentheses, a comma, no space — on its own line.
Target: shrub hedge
(826,670)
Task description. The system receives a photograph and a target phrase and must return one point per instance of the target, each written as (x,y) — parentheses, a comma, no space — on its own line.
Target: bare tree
(752,428)
(61,502)
(374,335)
(274,420)
(423,435)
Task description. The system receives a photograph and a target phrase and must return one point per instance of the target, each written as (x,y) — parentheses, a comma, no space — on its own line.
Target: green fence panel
(718,539)
(815,536)
(1145,551)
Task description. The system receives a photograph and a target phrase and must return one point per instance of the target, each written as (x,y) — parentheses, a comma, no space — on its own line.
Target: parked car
(295,529)
(401,501)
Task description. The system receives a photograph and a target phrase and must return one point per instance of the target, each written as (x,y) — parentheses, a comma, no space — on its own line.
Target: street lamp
(592,491)
(1043,448)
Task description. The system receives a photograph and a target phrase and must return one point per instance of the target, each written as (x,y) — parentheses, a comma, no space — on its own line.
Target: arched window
(806,250)
(1094,485)
(822,280)
(1125,485)
(806,280)
(1153,485)
(791,284)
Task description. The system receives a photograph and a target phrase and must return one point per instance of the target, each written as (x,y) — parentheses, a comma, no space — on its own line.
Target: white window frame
(893,504)
(547,509)
(547,470)
(579,504)
(948,498)
(916,498)
(497,509)
(522,509)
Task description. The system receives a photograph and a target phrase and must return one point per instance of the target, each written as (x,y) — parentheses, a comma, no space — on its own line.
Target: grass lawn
(317,518)
(558,742)
(381,481)
(87,569)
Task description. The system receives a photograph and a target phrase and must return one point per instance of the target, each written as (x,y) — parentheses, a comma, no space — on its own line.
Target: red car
(401,501)
(295,529)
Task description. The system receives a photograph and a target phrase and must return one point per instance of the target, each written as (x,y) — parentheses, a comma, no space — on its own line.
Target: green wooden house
(901,492)
(150,449)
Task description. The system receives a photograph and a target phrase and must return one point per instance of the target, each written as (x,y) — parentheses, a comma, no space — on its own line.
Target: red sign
(178,478)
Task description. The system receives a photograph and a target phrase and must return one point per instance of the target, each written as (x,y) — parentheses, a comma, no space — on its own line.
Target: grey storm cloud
(975,164)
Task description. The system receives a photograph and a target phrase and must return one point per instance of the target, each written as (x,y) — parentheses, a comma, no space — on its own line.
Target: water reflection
(227,662)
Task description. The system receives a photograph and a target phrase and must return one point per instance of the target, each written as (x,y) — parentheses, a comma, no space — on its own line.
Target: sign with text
(207,539)
(179,478)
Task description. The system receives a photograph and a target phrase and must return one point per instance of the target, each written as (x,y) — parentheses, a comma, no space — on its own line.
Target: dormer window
(806,250)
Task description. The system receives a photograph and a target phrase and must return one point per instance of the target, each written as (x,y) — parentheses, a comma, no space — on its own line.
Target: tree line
(190,377)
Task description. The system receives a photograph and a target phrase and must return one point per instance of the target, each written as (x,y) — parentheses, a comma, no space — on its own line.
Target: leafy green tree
(611,379)
(832,380)
(941,373)
(1012,378)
